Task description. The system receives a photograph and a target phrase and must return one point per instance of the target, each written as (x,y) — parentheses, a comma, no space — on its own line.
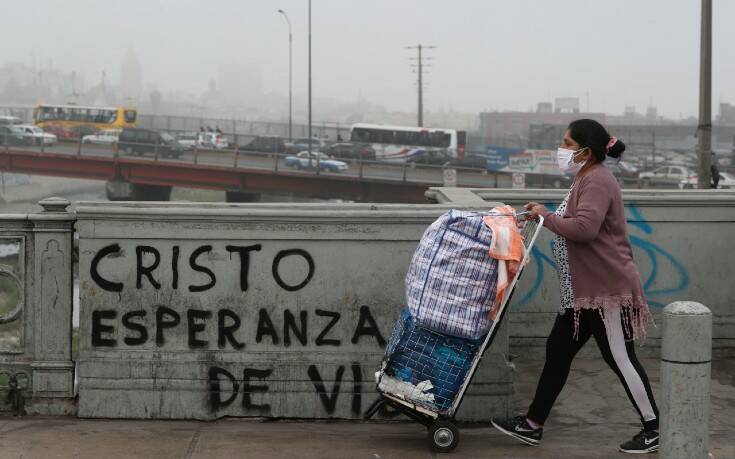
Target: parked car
(103,137)
(212,140)
(13,136)
(623,172)
(727,182)
(266,144)
(628,168)
(38,135)
(666,175)
(347,150)
(137,141)
(303,144)
(301,161)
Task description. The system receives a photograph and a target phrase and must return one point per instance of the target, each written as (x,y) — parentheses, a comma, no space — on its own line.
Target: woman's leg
(561,347)
(620,355)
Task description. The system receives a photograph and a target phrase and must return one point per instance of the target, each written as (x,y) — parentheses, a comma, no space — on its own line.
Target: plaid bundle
(451,283)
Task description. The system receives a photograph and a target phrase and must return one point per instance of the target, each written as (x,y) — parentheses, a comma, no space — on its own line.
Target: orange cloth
(507,247)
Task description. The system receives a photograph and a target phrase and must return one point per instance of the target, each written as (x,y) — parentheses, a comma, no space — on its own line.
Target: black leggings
(561,347)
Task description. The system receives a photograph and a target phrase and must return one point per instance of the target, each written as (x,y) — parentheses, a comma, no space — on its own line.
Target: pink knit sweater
(604,274)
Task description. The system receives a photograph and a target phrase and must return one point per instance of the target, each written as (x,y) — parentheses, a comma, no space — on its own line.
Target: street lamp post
(290,77)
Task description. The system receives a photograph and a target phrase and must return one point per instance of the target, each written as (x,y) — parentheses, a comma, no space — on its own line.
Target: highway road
(429,174)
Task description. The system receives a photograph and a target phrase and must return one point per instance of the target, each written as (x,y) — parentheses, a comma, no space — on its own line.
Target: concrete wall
(248,310)
(35,330)
(682,242)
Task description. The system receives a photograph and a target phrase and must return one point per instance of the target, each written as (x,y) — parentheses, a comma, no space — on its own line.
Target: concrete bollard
(686,354)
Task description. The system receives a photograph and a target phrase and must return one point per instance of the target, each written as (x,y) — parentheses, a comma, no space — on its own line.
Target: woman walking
(601,292)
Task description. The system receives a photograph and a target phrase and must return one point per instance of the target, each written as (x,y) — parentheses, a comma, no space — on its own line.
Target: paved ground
(590,419)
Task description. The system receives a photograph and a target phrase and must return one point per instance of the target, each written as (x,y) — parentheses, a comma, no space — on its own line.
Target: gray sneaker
(519,429)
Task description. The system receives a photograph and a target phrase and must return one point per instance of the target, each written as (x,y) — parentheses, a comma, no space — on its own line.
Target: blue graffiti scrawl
(656,255)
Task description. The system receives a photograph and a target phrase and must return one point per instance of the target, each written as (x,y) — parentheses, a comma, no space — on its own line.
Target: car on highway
(188,140)
(212,140)
(348,150)
(472,160)
(301,161)
(297,145)
(103,137)
(432,157)
(665,175)
(12,136)
(727,182)
(266,144)
(9,120)
(139,141)
(69,132)
(37,135)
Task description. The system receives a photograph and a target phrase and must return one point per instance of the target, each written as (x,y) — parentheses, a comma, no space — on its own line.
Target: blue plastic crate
(415,354)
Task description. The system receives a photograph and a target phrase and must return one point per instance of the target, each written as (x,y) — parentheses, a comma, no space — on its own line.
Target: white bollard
(686,354)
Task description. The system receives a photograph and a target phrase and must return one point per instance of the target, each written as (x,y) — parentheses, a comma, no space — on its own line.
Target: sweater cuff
(546,216)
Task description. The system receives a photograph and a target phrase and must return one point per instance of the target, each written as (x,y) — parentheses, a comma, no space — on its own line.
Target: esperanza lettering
(109,328)
(146,271)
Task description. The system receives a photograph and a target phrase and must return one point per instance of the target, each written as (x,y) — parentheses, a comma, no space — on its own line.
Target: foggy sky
(491,54)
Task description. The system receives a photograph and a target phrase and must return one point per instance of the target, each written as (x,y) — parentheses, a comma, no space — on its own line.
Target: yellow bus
(71,116)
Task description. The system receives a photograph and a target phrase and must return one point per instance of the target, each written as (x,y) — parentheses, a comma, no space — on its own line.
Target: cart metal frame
(443,432)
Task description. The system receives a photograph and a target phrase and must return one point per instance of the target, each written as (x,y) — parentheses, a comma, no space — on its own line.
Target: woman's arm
(592,205)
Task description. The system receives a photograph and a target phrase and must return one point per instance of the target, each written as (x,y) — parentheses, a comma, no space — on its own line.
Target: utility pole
(420,80)
(704,130)
(310,138)
(290,77)
(421,91)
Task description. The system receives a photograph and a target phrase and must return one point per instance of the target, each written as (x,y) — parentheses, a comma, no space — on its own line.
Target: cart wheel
(443,436)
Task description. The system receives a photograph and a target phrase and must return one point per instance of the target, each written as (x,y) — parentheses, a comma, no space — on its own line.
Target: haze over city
(490,55)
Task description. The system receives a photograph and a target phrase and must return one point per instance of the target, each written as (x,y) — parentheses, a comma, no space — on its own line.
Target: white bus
(405,144)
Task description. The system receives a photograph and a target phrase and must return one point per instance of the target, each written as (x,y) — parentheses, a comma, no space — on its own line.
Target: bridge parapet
(272,310)
(36,310)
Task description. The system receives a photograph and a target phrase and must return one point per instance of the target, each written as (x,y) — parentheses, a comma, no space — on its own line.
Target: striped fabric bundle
(451,283)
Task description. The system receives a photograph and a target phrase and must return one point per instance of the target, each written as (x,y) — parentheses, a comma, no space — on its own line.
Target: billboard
(502,159)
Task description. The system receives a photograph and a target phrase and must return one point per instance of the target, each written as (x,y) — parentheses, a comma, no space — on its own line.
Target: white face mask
(565,160)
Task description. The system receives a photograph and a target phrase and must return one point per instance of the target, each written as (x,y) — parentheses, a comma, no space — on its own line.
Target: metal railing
(360,162)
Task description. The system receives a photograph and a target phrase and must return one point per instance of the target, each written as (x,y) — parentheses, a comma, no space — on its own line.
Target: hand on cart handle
(534,210)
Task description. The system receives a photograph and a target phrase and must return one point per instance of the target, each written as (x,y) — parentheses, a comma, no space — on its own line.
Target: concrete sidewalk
(591,417)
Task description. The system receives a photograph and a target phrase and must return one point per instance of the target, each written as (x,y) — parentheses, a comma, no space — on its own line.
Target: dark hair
(591,134)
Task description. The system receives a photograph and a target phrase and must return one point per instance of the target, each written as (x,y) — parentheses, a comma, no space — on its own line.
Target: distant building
(131,79)
(23,84)
(544,107)
(727,114)
(566,105)
(512,128)
(652,113)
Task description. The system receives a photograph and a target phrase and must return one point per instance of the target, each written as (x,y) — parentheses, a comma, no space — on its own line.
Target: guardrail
(361,166)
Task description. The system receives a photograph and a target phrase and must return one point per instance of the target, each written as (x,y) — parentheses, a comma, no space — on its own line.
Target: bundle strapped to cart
(443,364)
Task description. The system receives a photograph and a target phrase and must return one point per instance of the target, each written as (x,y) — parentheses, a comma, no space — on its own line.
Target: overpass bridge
(242,175)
